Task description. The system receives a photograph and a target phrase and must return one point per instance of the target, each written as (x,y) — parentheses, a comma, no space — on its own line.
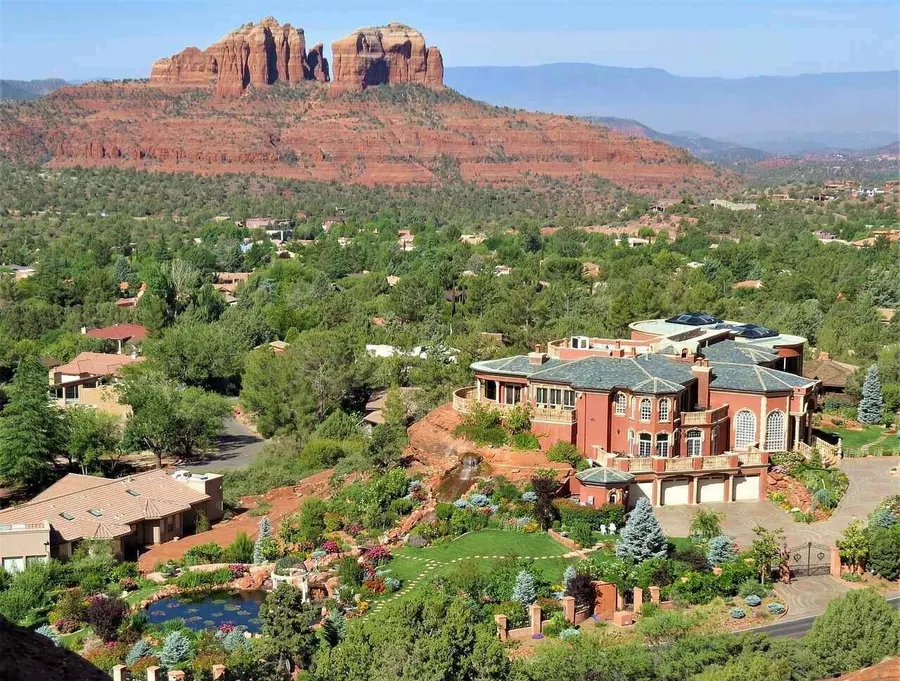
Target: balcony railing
(639,465)
(712,463)
(679,465)
(699,418)
(753,458)
(465,399)
(565,416)
(686,464)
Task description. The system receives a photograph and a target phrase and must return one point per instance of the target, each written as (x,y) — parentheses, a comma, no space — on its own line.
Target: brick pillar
(176,675)
(502,627)
(119,672)
(654,500)
(620,600)
(654,594)
(835,570)
(568,604)
(218,671)
(638,599)
(729,483)
(152,673)
(693,488)
(534,614)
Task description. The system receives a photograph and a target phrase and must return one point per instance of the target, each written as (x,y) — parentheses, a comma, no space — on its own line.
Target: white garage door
(640,490)
(674,493)
(712,490)
(746,488)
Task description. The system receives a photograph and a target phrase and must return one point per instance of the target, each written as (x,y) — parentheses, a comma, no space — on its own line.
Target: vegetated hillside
(29,89)
(393,134)
(835,107)
(868,166)
(709,149)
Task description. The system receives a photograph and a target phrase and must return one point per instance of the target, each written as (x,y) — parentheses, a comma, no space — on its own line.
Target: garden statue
(612,528)
(784,567)
(602,528)
(304,588)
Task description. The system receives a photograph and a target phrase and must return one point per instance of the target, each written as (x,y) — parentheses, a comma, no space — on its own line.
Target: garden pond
(210,610)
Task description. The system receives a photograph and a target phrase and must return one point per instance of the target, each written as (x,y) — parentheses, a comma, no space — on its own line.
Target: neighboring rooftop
(87,507)
(119,332)
(95,364)
(832,373)
(694,321)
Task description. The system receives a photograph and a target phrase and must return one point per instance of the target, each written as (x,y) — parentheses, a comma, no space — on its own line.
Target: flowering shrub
(378,555)
(376,585)
(105,615)
(776,608)
(738,613)
(353,529)
(571,632)
(330,546)
(392,584)
(753,600)
(237,571)
(67,625)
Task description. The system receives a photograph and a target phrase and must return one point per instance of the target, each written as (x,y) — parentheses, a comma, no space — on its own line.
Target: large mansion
(686,411)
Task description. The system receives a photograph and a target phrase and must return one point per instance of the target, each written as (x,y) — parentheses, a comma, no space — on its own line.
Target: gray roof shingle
(737,353)
(754,378)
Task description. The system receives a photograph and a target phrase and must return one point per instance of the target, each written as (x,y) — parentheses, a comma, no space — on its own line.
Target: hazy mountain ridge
(23,90)
(792,114)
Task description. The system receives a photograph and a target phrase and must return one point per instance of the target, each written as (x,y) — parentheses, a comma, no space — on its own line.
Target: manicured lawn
(854,439)
(135,597)
(485,547)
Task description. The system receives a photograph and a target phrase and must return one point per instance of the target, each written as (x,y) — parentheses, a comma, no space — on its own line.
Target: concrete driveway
(869,484)
(236,447)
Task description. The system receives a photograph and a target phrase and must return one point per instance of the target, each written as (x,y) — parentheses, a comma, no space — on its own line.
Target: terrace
(465,399)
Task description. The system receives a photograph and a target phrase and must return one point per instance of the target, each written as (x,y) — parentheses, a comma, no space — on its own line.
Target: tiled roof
(737,353)
(96,364)
(604,476)
(754,378)
(517,365)
(102,508)
(832,373)
(119,332)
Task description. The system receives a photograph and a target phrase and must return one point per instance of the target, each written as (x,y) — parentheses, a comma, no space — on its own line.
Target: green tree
(857,630)
(287,626)
(766,550)
(884,551)
(92,435)
(32,430)
(872,403)
(707,524)
(166,417)
(274,390)
(854,544)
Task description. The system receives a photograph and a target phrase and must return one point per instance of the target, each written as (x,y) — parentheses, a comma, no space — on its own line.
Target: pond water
(209,610)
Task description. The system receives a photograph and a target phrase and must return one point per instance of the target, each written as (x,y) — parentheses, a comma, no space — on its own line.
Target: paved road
(796,628)
(869,484)
(236,447)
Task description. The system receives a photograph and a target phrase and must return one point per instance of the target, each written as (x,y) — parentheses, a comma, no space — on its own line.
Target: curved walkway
(870,482)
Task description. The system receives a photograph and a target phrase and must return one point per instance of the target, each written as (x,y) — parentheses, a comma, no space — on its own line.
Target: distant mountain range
(781,115)
(29,89)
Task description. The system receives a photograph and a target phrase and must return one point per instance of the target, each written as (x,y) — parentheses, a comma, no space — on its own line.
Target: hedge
(572,514)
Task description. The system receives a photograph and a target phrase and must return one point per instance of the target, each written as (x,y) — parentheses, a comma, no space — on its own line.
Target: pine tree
(31,428)
(524,591)
(871,403)
(568,576)
(720,550)
(265,531)
(175,649)
(642,537)
(140,649)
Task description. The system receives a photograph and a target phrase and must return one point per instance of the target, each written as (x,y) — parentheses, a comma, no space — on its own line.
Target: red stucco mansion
(686,411)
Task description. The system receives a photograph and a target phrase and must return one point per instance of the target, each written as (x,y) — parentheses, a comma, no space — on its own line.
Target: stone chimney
(702,372)
(537,357)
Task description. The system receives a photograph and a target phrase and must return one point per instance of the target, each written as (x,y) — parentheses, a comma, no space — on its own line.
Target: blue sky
(731,38)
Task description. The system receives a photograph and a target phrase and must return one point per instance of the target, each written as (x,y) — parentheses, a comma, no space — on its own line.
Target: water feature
(458,479)
(210,609)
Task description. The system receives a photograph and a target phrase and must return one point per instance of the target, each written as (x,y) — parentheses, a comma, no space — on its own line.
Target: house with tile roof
(686,415)
(132,512)
(123,335)
(88,381)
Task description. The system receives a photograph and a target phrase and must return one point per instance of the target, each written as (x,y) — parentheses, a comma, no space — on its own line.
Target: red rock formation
(381,55)
(254,54)
(316,64)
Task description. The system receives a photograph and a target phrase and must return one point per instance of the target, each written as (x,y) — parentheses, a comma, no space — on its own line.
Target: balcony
(465,399)
(707,417)
(753,458)
(553,415)
(662,464)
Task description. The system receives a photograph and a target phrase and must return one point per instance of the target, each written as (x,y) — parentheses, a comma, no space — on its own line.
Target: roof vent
(65,515)
(96,512)
(133,492)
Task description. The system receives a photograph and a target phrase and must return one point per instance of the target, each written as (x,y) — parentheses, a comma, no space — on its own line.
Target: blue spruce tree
(871,403)
(265,531)
(720,550)
(642,537)
(524,590)
(176,648)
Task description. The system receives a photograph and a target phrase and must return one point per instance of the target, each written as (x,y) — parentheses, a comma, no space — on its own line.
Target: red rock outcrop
(382,55)
(316,64)
(254,54)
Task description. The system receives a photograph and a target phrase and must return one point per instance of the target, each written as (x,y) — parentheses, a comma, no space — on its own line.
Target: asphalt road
(236,447)
(798,627)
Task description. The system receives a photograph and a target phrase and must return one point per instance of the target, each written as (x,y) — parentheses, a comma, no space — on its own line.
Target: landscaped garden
(806,488)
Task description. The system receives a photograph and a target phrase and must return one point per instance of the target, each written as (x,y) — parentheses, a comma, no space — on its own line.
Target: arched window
(613,498)
(664,405)
(662,444)
(714,445)
(646,409)
(630,442)
(633,402)
(744,428)
(694,439)
(775,431)
(645,444)
(620,404)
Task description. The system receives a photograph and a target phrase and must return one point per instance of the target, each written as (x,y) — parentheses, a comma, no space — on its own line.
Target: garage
(746,488)
(674,493)
(640,490)
(712,490)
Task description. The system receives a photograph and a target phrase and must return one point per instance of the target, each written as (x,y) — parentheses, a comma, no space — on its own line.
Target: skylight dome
(693,319)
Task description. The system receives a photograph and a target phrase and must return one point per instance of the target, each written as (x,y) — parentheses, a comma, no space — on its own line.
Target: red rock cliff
(385,55)
(254,54)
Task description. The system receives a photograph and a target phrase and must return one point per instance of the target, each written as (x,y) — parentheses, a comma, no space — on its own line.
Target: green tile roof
(737,353)
(604,476)
(754,378)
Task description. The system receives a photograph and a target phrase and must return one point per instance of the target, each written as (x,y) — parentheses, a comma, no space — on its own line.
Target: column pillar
(153,673)
(729,483)
(693,491)
(118,672)
(654,594)
(568,604)
(764,409)
(176,675)
(654,500)
(502,627)
(835,562)
(534,614)
(796,420)
(638,599)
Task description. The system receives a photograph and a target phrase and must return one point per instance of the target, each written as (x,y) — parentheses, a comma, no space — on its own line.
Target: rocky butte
(254,54)
(389,54)
(265,53)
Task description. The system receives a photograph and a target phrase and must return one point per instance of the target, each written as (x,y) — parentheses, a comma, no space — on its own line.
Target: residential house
(377,402)
(829,372)
(132,512)
(18,271)
(88,381)
(732,205)
(686,411)
(123,335)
